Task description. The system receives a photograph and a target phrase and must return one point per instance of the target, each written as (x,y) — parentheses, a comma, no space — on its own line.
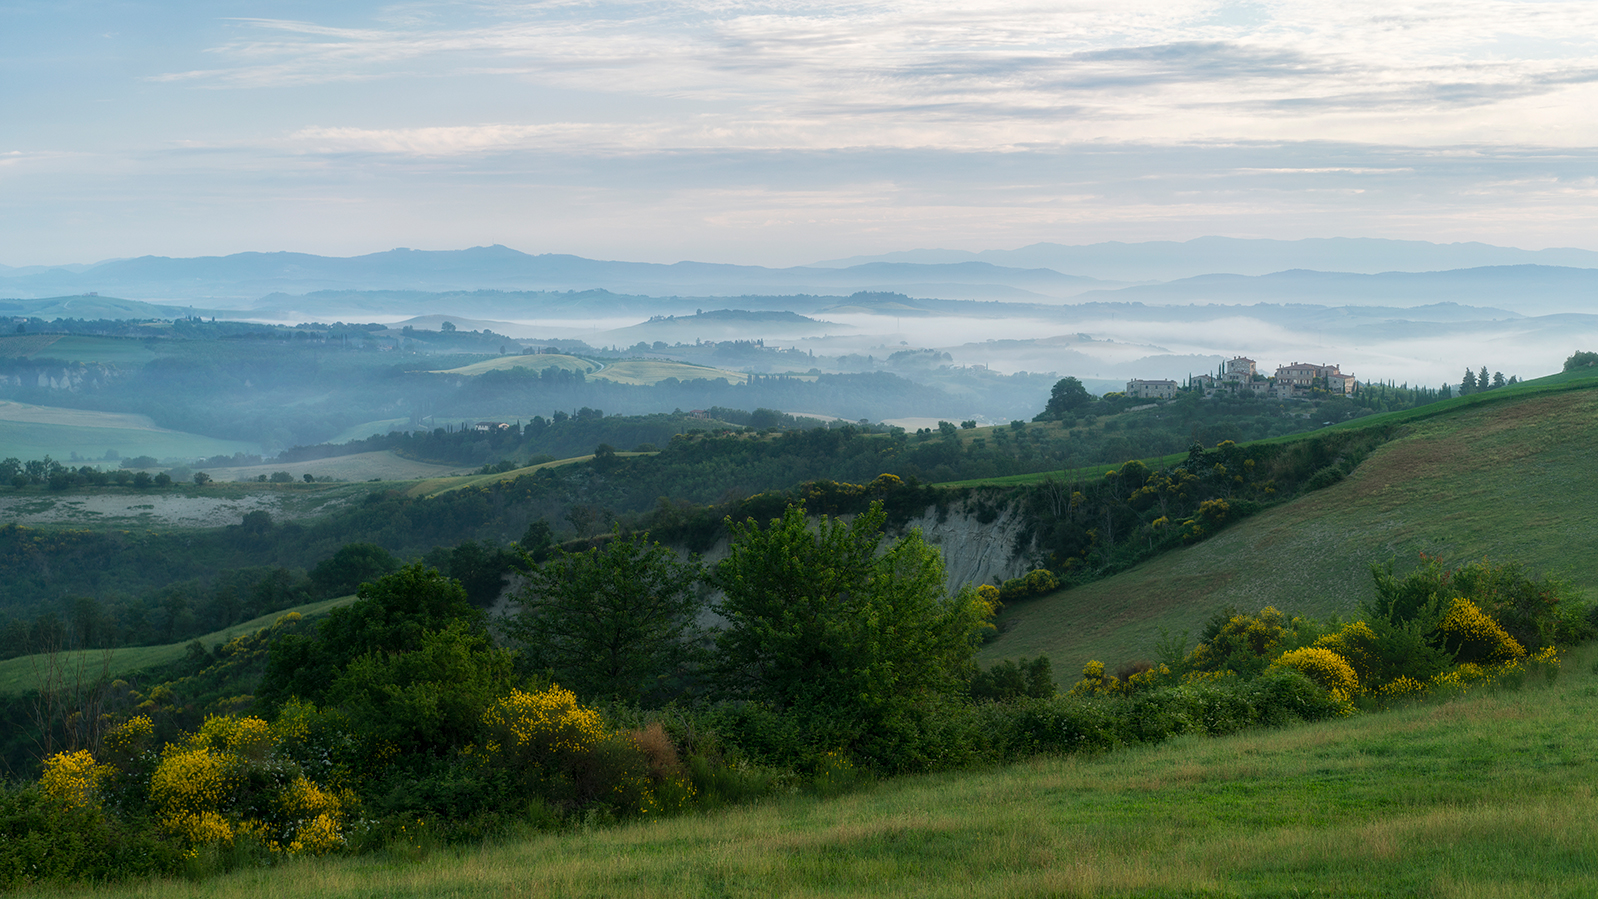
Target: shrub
(1284,695)
(1357,644)
(545,729)
(1008,680)
(48,839)
(1324,478)
(1095,682)
(1241,643)
(1473,637)
(1324,667)
(74,778)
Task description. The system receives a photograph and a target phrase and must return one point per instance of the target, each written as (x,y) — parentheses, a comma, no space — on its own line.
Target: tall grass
(1483,796)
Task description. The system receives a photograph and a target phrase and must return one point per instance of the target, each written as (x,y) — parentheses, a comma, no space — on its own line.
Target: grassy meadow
(22,674)
(628,371)
(653,371)
(1486,795)
(33,432)
(77,348)
(381,464)
(531,363)
(1492,479)
(436,485)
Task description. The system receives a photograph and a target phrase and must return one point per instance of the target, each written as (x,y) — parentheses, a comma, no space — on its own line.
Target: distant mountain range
(237,280)
(1167,260)
(501,282)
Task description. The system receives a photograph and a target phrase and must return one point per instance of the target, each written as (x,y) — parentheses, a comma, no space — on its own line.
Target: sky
(779,133)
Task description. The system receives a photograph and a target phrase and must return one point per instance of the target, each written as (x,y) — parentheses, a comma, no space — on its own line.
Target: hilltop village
(1241,375)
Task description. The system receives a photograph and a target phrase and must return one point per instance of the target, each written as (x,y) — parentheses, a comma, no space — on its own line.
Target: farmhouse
(1302,376)
(1155,390)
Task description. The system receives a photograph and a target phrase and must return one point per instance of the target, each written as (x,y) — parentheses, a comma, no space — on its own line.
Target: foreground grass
(1484,796)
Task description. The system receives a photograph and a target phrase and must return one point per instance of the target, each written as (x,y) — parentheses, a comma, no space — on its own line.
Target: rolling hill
(31,432)
(1509,480)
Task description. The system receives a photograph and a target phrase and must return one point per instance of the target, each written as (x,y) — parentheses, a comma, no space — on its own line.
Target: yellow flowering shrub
(318,836)
(1474,637)
(191,787)
(1146,679)
(1324,667)
(1095,682)
(225,781)
(129,737)
(1401,687)
(1545,659)
(989,595)
(74,777)
(546,723)
(1355,644)
(1240,639)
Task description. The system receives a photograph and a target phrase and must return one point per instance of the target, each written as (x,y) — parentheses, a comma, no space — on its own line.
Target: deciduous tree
(825,621)
(616,621)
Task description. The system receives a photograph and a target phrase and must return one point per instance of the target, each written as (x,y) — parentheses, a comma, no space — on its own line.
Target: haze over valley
(784,449)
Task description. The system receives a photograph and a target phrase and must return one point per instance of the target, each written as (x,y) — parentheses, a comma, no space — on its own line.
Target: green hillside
(1504,477)
(530,362)
(22,674)
(33,432)
(1487,795)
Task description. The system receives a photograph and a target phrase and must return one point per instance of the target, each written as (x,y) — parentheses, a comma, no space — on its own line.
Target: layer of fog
(1108,346)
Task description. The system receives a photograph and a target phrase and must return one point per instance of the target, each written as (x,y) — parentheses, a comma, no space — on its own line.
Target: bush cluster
(399,723)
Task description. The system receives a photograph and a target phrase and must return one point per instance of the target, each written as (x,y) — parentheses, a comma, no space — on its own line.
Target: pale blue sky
(784,132)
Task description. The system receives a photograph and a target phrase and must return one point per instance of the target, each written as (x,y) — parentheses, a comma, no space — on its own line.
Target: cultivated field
(531,363)
(32,432)
(627,371)
(17,346)
(1489,795)
(81,348)
(1495,480)
(380,465)
(435,486)
(653,371)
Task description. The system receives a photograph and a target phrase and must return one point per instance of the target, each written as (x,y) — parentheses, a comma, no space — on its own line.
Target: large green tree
(353,565)
(616,621)
(1067,396)
(827,623)
(390,615)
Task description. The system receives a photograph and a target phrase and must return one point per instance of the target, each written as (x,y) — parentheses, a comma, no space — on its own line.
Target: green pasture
(1486,795)
(81,348)
(32,432)
(1558,383)
(367,428)
(435,486)
(531,363)
(379,464)
(652,371)
(1508,480)
(21,674)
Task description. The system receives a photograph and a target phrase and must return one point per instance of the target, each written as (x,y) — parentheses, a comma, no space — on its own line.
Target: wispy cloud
(1141,70)
(879,122)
